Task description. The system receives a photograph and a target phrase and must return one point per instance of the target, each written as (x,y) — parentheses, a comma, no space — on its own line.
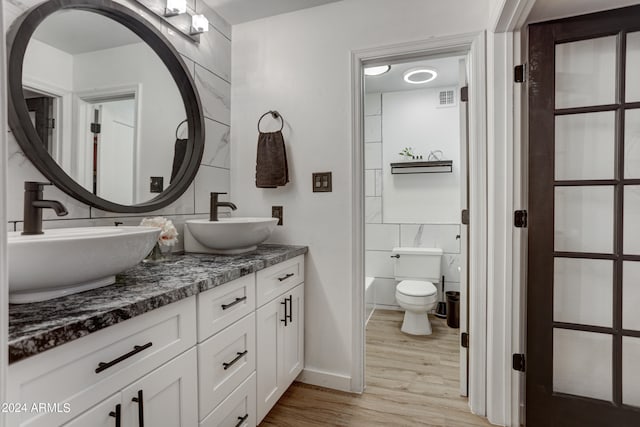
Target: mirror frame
(25,133)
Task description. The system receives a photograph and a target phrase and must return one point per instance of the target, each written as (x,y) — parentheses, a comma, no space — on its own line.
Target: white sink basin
(228,235)
(69,260)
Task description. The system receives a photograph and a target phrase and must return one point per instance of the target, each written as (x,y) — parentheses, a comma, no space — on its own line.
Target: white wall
(48,65)
(209,62)
(298,63)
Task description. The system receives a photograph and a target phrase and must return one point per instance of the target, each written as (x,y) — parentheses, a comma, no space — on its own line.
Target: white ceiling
(239,11)
(545,10)
(393,80)
(77,31)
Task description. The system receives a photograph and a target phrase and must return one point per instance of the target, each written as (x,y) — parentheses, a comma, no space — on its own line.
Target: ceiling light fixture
(376,71)
(417,76)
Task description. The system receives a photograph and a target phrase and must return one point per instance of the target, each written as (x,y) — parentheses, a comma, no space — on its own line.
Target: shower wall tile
(215,95)
(443,236)
(369,183)
(183,206)
(378,182)
(373,155)
(378,264)
(381,236)
(210,179)
(372,128)
(450,267)
(216,147)
(372,210)
(373,104)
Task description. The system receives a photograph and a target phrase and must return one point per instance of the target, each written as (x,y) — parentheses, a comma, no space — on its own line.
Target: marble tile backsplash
(209,63)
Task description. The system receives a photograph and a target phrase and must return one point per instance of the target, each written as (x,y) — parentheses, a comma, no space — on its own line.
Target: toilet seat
(416,288)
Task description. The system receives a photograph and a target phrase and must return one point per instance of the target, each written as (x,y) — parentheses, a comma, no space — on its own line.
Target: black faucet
(33,205)
(215,204)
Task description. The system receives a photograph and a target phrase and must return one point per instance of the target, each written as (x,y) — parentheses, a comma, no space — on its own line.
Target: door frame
(474,44)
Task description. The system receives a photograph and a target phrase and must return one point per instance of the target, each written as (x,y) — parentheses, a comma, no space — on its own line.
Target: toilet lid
(416,288)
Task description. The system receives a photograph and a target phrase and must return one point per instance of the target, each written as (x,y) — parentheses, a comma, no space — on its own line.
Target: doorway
(472,47)
(583,327)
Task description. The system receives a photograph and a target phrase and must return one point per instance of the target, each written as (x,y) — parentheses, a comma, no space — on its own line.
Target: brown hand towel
(271,163)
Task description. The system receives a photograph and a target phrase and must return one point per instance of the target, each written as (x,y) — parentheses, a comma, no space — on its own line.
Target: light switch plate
(322,182)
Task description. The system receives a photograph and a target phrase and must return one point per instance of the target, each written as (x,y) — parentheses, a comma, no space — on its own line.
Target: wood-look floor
(411,381)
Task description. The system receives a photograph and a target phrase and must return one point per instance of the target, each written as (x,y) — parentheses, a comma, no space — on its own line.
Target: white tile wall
(369,183)
(216,148)
(373,155)
(381,236)
(378,264)
(443,236)
(372,128)
(215,95)
(372,209)
(378,182)
(210,179)
(373,104)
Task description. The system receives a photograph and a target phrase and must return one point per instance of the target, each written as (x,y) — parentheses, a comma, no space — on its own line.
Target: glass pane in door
(585,146)
(631,371)
(582,363)
(632,143)
(631,295)
(583,291)
(584,219)
(586,72)
(632,86)
(631,220)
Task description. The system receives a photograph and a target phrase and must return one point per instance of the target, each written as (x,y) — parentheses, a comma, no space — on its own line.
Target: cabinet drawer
(127,351)
(221,306)
(279,278)
(239,409)
(225,361)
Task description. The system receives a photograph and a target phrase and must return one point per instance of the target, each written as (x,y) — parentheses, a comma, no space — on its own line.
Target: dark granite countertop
(36,327)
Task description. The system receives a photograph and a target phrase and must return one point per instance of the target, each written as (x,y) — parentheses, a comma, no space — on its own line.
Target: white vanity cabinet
(280,332)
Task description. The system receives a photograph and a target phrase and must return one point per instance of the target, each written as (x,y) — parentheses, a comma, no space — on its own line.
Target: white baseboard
(325,379)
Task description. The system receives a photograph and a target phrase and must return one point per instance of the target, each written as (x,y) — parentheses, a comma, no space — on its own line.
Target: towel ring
(275,115)
(178,128)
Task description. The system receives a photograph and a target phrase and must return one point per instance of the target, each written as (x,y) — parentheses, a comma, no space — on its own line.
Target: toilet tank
(417,263)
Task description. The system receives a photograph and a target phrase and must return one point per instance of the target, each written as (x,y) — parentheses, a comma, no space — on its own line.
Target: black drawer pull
(140,401)
(241,420)
(231,304)
(239,356)
(117,414)
(136,349)
(285,311)
(395,256)
(286,276)
(290,298)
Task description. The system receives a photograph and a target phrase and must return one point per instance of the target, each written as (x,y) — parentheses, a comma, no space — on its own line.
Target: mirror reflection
(104,105)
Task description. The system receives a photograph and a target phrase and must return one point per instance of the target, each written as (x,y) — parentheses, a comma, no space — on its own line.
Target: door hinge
(464,217)
(520,219)
(518,362)
(464,340)
(519,73)
(464,94)
(95,127)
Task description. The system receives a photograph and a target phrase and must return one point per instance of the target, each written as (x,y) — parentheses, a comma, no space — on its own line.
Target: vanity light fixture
(199,24)
(175,7)
(376,71)
(417,76)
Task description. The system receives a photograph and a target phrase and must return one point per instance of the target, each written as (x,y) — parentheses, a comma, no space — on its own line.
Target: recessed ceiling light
(419,76)
(376,71)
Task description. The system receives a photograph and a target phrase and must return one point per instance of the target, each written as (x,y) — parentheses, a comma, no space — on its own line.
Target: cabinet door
(292,350)
(104,414)
(269,388)
(167,397)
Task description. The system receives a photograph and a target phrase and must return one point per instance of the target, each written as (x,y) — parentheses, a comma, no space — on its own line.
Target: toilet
(416,269)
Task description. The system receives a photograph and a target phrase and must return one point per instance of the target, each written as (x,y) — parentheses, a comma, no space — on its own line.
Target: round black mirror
(103,105)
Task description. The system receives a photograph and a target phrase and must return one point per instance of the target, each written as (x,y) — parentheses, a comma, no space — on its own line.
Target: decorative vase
(158,253)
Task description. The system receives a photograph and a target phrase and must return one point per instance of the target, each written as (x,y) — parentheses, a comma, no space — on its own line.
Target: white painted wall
(298,63)
(412,119)
(48,65)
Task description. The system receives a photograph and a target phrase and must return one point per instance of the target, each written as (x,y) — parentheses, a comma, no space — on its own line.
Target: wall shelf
(436,166)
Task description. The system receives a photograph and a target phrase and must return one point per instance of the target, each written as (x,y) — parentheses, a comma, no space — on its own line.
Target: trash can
(453,309)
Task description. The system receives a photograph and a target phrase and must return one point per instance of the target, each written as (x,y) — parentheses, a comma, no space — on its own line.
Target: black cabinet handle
(286,276)
(136,349)
(290,298)
(241,420)
(140,401)
(395,256)
(239,356)
(231,304)
(285,312)
(117,414)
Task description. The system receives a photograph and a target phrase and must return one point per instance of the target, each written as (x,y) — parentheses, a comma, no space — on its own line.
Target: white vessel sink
(69,260)
(228,235)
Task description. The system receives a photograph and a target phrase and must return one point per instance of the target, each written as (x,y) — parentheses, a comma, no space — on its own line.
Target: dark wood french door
(583,287)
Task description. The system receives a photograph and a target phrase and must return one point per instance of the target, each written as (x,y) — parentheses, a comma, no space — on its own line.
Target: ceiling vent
(446,98)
